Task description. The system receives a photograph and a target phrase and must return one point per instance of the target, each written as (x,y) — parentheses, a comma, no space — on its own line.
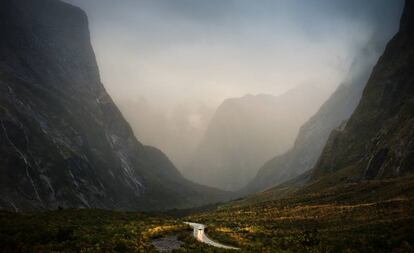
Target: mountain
(377,142)
(359,195)
(315,132)
(245,132)
(63,142)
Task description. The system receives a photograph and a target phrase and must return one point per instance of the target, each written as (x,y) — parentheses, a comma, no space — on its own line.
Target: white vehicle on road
(201,236)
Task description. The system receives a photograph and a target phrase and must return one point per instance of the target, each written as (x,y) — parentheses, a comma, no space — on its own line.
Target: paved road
(201,236)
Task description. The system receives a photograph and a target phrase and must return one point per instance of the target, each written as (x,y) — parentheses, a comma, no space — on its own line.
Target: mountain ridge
(377,141)
(315,132)
(245,132)
(64,143)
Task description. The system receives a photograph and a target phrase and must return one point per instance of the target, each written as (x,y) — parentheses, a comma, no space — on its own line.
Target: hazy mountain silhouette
(246,132)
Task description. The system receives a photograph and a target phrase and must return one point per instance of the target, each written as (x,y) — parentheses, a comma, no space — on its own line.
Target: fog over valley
(169,65)
(207,126)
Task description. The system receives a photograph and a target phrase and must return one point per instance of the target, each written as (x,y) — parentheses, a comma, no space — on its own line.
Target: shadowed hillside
(63,141)
(378,140)
(314,134)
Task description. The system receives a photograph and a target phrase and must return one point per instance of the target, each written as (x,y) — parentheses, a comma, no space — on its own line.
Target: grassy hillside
(370,216)
(90,231)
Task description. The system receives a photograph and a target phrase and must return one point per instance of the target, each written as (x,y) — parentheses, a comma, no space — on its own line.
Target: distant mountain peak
(245,132)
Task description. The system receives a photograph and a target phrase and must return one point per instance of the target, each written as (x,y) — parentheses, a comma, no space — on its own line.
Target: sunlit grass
(362,221)
(309,223)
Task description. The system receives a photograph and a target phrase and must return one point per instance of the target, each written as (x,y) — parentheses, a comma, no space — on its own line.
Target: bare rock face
(63,142)
(378,140)
(314,134)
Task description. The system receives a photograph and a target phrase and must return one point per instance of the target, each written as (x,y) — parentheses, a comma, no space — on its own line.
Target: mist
(169,64)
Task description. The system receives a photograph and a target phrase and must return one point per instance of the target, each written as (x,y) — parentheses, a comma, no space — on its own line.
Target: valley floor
(354,221)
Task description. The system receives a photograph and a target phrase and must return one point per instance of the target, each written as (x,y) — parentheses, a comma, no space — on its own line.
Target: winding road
(201,236)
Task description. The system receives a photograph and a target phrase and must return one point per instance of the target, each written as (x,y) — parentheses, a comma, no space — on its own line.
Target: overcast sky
(202,51)
(168,64)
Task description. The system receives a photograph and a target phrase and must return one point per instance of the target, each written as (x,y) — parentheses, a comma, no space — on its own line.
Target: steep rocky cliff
(315,132)
(63,142)
(378,140)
